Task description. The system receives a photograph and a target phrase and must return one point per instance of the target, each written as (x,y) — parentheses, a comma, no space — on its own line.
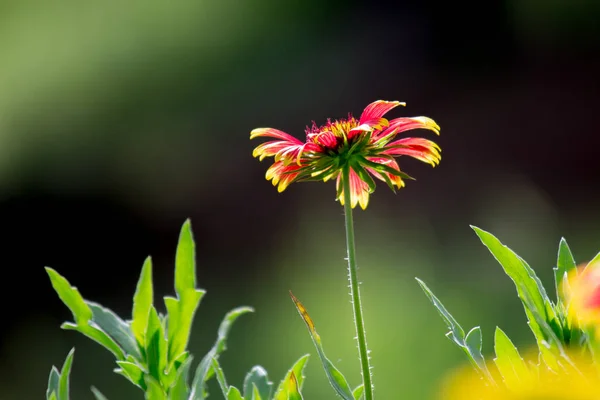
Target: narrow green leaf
(156,346)
(259,378)
(97,394)
(336,379)
(53,380)
(185,261)
(180,389)
(65,372)
(205,367)
(226,324)
(529,287)
(358,392)
(564,263)
(298,371)
(220,376)
(234,394)
(470,344)
(456,334)
(97,335)
(509,362)
(142,301)
(154,391)
(53,396)
(181,316)
(70,296)
(116,328)
(133,372)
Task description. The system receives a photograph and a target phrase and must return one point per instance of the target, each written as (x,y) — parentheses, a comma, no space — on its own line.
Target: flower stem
(354,289)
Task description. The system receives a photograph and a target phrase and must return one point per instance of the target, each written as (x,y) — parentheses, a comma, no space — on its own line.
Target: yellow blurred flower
(582,383)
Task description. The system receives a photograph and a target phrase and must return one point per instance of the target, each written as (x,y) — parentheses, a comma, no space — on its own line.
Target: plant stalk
(354,290)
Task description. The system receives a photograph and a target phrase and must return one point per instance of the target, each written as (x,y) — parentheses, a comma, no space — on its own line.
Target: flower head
(582,295)
(365,147)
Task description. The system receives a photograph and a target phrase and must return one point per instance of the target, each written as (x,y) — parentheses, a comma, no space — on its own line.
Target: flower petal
(274,133)
(282,175)
(395,179)
(419,148)
(399,125)
(377,109)
(367,126)
(359,190)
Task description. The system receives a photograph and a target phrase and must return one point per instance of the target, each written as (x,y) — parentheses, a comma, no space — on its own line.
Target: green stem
(354,290)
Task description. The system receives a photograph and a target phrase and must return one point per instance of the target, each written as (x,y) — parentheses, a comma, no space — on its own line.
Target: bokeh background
(119,120)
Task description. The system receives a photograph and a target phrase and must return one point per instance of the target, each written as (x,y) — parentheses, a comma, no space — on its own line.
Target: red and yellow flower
(582,295)
(363,147)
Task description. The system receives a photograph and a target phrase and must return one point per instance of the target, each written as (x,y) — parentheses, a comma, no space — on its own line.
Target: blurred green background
(120,120)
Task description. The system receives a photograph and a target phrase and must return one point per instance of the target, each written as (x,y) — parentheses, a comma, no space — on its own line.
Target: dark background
(119,121)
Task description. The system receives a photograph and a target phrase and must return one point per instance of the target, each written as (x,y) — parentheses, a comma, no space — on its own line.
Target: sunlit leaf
(509,362)
(142,301)
(298,370)
(220,376)
(65,372)
(156,346)
(185,261)
(133,372)
(358,392)
(97,335)
(564,264)
(234,394)
(70,296)
(336,379)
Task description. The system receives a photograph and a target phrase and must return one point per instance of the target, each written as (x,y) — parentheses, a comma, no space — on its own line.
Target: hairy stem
(354,290)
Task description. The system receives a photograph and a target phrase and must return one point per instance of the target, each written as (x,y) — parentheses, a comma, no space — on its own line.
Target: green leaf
(564,264)
(234,394)
(531,292)
(97,335)
(220,376)
(70,296)
(116,328)
(173,368)
(181,316)
(133,372)
(185,261)
(509,362)
(298,371)
(259,378)
(97,394)
(336,379)
(142,301)
(156,346)
(53,380)
(470,344)
(594,260)
(53,396)
(205,367)
(291,388)
(358,392)
(180,389)
(63,383)
(154,391)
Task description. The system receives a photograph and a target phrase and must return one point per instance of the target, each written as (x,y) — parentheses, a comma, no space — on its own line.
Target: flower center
(333,135)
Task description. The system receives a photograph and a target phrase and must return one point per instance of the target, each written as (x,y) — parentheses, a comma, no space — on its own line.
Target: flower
(363,147)
(581,383)
(581,290)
